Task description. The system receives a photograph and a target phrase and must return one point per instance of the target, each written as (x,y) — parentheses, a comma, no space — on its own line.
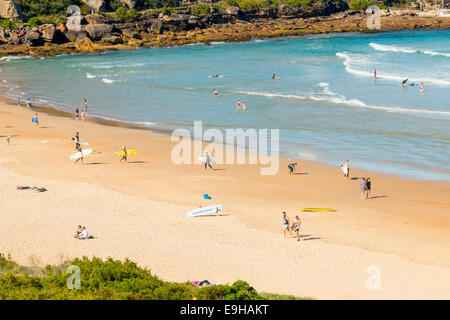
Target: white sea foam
(331,97)
(9,58)
(90,76)
(350,60)
(108,81)
(383,47)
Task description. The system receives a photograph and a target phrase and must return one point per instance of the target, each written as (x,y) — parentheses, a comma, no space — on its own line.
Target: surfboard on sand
(204,211)
(82,142)
(78,155)
(318,210)
(203,159)
(129,153)
(299,172)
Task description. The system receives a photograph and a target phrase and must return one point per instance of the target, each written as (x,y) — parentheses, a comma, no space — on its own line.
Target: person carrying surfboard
(80,150)
(124,154)
(77,140)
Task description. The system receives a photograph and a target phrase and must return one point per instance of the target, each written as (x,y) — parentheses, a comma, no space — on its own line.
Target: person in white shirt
(84,234)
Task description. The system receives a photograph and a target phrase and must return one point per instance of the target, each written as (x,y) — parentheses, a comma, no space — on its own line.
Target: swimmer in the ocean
(422,89)
(215,92)
(405,83)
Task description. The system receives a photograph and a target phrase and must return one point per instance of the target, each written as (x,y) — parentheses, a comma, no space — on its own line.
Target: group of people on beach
(288,227)
(366,186)
(84,111)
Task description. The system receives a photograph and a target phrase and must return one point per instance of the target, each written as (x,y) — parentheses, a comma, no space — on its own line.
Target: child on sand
(35,120)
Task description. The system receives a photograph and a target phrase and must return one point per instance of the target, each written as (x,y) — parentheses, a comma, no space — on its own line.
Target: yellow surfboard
(318,209)
(129,153)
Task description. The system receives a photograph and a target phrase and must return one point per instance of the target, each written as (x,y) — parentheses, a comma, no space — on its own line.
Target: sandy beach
(137,210)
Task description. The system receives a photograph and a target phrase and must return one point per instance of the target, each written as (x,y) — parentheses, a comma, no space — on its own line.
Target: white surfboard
(220,76)
(204,211)
(82,142)
(344,169)
(203,159)
(78,154)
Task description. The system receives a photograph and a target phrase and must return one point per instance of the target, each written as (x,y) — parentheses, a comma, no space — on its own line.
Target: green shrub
(200,9)
(8,24)
(121,13)
(109,279)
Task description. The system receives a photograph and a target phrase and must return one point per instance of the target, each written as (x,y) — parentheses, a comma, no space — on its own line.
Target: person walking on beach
(35,120)
(296,224)
(291,167)
(80,150)
(286,225)
(124,154)
(368,188)
(77,141)
(77,113)
(208,161)
(346,169)
(363,184)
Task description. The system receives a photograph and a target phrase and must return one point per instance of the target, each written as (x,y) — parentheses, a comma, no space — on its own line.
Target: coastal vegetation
(111,280)
(38,12)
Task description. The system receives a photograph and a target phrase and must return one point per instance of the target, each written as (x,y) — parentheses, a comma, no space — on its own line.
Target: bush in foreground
(110,279)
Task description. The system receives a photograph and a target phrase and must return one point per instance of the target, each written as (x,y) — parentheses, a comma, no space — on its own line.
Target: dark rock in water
(96,19)
(98,31)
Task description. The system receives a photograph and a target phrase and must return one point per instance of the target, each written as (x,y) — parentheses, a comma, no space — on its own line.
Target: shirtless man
(286,225)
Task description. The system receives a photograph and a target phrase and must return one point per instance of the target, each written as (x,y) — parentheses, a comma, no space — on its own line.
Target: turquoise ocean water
(326,103)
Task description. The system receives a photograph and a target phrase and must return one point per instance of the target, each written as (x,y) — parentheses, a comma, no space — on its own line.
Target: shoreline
(136,210)
(167,132)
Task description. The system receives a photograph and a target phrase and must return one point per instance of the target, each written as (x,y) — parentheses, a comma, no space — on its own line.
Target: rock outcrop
(10,10)
(97,5)
(98,31)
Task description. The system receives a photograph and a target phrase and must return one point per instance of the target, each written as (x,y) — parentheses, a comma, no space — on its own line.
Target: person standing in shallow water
(77,113)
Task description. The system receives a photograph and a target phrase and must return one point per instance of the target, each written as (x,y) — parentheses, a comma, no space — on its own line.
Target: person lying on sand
(83,235)
(79,230)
